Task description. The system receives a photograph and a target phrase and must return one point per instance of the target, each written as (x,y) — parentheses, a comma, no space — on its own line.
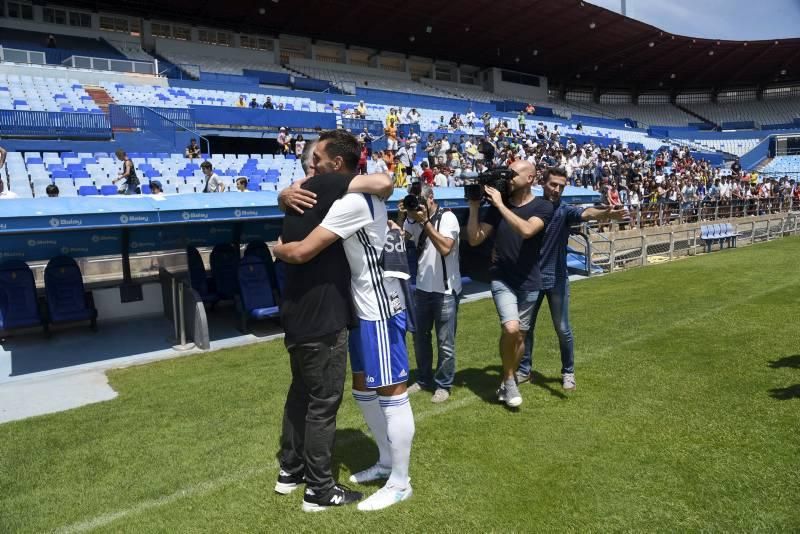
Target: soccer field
(686,417)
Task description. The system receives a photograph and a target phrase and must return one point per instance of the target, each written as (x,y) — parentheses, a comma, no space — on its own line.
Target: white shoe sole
(514,402)
(285,489)
(367,506)
(313,508)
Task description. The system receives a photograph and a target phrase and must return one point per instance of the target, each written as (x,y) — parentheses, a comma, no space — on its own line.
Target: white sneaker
(376,472)
(568,381)
(384,498)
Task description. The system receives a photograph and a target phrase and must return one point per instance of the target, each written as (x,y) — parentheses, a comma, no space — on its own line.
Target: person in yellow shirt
(361,110)
(392,117)
(241,102)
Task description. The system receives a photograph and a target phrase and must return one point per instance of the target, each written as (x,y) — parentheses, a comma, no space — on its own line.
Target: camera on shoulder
(499,178)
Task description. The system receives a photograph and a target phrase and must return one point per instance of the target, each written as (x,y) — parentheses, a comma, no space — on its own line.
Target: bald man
(517,225)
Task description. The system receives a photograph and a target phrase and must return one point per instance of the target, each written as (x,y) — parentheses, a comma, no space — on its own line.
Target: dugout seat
(260,249)
(19,306)
(256,298)
(224,270)
(67,299)
(198,278)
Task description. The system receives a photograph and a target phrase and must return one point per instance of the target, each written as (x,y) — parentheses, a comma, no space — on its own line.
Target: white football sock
(373,415)
(400,431)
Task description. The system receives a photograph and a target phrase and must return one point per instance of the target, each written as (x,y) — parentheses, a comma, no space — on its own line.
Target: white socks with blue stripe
(373,415)
(400,433)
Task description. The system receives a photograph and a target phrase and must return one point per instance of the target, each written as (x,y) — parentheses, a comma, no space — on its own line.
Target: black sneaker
(339,495)
(287,483)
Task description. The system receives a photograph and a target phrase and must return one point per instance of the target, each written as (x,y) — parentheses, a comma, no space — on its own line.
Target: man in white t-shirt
(378,355)
(435,232)
(213,183)
(440,180)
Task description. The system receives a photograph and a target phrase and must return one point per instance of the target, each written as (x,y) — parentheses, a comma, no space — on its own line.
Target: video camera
(499,178)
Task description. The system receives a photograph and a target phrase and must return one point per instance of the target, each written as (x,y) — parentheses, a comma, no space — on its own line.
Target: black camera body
(500,179)
(413,202)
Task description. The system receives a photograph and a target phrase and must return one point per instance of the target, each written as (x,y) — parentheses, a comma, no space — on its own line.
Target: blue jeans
(439,310)
(558,300)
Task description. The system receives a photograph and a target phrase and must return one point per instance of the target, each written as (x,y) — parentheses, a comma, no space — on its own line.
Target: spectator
(521,121)
(241,102)
(253,103)
(268,103)
(412,117)
(391,136)
(392,118)
(405,155)
(380,167)
(213,183)
(440,180)
(363,157)
(470,117)
(241,184)
(51,41)
(283,141)
(193,150)
(127,175)
(427,175)
(52,191)
(156,188)
(361,110)
(3,156)
(299,145)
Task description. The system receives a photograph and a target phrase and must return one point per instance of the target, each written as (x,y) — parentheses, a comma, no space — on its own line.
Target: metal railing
(673,213)
(612,253)
(165,123)
(53,124)
(113,65)
(14,55)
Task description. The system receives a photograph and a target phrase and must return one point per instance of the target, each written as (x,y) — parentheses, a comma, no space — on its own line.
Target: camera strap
(423,242)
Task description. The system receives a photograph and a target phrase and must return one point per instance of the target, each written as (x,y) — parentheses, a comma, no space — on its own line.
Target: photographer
(517,226)
(435,232)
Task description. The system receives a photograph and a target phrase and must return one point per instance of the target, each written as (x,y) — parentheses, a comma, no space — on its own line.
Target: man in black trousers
(316,312)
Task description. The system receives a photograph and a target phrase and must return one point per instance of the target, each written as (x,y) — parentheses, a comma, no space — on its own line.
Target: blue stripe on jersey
(369,203)
(376,274)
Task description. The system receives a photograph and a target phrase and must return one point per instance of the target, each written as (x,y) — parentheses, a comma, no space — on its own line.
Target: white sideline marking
(210,486)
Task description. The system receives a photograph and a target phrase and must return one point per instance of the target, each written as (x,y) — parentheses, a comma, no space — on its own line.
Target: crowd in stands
(657,186)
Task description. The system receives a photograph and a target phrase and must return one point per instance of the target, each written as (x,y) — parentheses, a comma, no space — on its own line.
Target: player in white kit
(378,355)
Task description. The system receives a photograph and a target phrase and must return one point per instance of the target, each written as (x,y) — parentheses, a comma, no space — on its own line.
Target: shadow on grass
(792,362)
(787,393)
(482,382)
(539,380)
(355,450)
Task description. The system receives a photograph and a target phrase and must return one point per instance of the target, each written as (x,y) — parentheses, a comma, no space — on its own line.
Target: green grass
(686,417)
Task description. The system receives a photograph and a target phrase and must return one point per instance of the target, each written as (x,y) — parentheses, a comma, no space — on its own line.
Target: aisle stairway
(100,97)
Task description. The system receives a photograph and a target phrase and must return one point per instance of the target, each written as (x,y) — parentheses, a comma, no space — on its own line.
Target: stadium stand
(36,93)
(783,165)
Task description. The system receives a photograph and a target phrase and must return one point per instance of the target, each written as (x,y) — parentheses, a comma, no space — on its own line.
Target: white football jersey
(360,220)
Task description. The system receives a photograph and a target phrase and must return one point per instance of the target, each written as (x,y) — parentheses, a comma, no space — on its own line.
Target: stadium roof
(570,42)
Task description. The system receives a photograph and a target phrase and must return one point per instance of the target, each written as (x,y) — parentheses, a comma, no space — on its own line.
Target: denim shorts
(513,304)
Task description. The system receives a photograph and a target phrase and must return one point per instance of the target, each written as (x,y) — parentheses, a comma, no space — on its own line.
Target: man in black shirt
(315,313)
(518,228)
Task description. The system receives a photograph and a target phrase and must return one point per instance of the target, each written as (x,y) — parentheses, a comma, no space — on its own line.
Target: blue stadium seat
(198,278)
(256,299)
(261,250)
(224,270)
(19,307)
(108,190)
(87,191)
(67,300)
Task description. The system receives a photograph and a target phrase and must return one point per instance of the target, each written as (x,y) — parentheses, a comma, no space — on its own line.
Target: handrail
(208,143)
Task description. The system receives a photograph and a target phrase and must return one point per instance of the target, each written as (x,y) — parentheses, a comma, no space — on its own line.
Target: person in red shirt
(362,160)
(427,173)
